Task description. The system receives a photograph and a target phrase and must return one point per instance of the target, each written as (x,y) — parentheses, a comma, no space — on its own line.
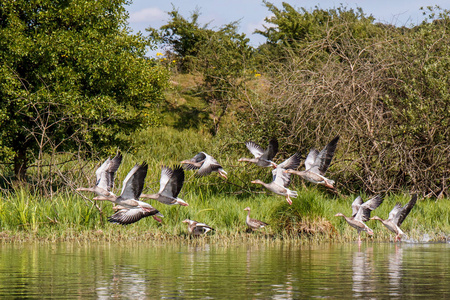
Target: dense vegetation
(217,202)
(75,86)
(384,89)
(72,78)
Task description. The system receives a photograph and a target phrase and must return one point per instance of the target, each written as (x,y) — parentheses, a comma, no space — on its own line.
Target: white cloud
(151,14)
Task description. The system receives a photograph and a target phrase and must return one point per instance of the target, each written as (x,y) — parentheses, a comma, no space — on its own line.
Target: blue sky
(251,13)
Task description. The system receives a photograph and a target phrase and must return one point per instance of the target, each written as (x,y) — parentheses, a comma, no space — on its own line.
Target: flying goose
(169,186)
(361,213)
(317,163)
(105,177)
(397,216)
(125,216)
(196,228)
(262,158)
(253,223)
(281,179)
(205,164)
(130,209)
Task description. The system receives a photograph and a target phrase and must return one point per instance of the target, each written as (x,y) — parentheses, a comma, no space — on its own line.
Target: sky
(251,13)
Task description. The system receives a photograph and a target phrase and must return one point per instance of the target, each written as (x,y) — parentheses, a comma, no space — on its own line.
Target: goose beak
(328,185)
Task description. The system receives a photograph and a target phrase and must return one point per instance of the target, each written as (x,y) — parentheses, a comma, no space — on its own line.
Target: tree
(182,36)
(72,76)
(290,28)
(222,57)
(383,89)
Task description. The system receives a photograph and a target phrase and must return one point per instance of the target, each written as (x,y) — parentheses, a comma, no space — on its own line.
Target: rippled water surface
(281,271)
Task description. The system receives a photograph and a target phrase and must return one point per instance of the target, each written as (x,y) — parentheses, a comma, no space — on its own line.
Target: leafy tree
(291,27)
(72,76)
(383,89)
(182,36)
(222,57)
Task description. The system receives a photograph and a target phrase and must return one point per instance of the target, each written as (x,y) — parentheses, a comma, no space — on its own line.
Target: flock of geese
(129,209)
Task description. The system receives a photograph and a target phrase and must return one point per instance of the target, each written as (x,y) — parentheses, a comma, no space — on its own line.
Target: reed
(25,216)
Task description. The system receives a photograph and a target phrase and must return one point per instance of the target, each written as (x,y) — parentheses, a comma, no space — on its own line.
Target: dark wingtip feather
(335,140)
(407,208)
(274,143)
(118,156)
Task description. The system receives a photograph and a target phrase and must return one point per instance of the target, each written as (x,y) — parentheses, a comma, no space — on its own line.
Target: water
(245,271)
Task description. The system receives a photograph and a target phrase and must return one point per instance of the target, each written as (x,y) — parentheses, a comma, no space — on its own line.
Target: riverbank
(70,217)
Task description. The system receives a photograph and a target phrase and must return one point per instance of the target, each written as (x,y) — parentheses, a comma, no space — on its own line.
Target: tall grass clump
(26,210)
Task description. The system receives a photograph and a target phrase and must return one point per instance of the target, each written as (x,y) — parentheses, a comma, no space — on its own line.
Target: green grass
(67,215)
(310,218)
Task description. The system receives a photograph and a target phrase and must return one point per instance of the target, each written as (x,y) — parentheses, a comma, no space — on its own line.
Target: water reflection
(279,271)
(284,291)
(123,281)
(362,272)
(395,260)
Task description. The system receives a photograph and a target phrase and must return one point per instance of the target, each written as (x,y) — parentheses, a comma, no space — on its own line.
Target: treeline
(75,82)
(384,89)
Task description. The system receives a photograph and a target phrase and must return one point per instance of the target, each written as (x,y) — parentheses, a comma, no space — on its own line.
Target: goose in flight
(262,158)
(125,216)
(281,179)
(253,223)
(361,213)
(317,163)
(197,228)
(397,216)
(105,177)
(205,164)
(130,209)
(169,186)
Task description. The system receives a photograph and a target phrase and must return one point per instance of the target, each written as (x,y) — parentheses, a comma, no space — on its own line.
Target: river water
(239,271)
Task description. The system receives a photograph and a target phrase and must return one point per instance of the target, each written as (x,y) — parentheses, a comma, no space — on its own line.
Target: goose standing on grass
(130,209)
(205,164)
(317,163)
(105,177)
(170,186)
(361,213)
(196,228)
(253,223)
(262,158)
(397,216)
(281,179)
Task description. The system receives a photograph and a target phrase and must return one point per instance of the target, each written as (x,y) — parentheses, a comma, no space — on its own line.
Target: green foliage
(181,35)
(311,217)
(290,27)
(212,200)
(223,59)
(385,90)
(72,76)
